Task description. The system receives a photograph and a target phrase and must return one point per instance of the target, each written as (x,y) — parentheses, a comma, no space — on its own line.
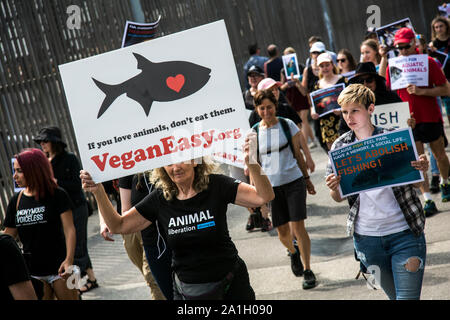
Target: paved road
(269,267)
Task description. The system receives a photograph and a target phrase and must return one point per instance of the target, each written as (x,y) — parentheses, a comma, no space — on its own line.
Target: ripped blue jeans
(399,259)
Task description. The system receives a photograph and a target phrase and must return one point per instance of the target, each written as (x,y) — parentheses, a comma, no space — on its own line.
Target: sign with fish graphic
(391,115)
(405,70)
(380,161)
(156,103)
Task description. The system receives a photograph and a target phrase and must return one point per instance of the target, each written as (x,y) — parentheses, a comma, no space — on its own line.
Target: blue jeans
(161,269)
(390,254)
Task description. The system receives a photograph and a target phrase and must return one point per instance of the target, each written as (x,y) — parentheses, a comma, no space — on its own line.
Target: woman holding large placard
(329,124)
(190,205)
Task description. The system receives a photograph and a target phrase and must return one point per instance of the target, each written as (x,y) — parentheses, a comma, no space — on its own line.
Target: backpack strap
(287,132)
(18,199)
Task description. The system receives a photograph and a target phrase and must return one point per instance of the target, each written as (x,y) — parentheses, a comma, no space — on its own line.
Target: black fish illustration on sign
(392,167)
(163,81)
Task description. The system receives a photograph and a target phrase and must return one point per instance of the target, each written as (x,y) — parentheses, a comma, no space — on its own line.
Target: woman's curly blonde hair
(161,179)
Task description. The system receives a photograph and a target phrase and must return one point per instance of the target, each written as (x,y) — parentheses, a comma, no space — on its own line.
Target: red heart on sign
(175,83)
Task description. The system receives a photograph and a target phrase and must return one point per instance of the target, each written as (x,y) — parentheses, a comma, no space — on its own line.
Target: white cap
(324,57)
(317,47)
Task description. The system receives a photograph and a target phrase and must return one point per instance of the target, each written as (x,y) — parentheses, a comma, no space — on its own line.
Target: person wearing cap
(66,169)
(329,123)
(254,76)
(255,60)
(319,47)
(286,111)
(424,107)
(281,159)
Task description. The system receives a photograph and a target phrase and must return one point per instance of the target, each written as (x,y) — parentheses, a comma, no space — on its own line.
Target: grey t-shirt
(280,166)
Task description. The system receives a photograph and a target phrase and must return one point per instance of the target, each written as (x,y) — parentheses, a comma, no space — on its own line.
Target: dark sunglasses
(403,47)
(341,60)
(362,80)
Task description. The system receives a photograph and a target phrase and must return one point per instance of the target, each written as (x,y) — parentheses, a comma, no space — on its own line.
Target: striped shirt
(405,195)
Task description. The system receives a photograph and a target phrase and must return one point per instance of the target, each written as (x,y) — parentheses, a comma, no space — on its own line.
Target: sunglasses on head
(341,60)
(362,80)
(403,47)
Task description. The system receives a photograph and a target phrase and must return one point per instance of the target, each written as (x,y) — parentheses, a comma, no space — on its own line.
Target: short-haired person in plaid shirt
(387,224)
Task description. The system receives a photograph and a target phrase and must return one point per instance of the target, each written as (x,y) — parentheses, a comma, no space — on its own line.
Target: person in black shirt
(66,168)
(15,282)
(41,216)
(147,249)
(190,206)
(440,35)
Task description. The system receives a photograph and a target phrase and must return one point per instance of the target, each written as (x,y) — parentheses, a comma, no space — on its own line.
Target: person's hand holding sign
(250,149)
(422,164)
(413,89)
(332,181)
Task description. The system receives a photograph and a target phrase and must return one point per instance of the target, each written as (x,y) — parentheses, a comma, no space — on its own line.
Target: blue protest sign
(380,161)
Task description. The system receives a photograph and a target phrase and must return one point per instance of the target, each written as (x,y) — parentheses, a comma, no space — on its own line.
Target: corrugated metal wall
(34,40)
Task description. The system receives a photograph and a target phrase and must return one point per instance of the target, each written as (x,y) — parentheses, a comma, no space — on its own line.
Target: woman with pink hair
(41,216)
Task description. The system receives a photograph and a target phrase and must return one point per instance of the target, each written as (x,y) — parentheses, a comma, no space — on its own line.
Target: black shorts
(289,203)
(428,131)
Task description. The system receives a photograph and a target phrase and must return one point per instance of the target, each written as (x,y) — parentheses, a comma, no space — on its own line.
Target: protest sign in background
(290,64)
(391,115)
(386,34)
(405,70)
(380,161)
(325,100)
(442,57)
(156,103)
(136,32)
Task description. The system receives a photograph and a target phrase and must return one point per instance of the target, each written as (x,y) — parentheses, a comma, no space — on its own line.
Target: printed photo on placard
(444,10)
(380,161)
(136,32)
(290,64)
(386,34)
(324,101)
(155,103)
(405,70)
(440,56)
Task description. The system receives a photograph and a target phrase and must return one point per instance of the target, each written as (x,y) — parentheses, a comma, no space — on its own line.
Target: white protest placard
(405,70)
(391,115)
(156,103)
(290,64)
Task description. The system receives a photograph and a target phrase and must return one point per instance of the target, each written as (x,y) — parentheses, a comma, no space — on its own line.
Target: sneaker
(434,184)
(312,145)
(445,192)
(267,225)
(429,208)
(296,264)
(309,280)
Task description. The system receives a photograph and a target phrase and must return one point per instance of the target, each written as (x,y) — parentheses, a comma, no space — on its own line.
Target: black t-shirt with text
(12,266)
(40,230)
(197,230)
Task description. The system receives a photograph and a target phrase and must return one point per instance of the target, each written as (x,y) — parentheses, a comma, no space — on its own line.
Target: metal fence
(35,39)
